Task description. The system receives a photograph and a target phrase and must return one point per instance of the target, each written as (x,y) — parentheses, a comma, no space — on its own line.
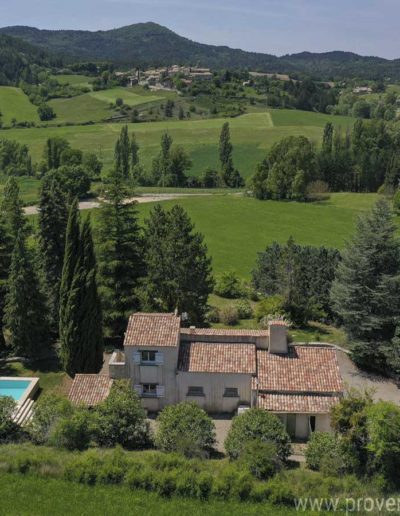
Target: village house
(224,371)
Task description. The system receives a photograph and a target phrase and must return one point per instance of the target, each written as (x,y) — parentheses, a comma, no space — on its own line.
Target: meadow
(252,135)
(28,495)
(14,104)
(128,95)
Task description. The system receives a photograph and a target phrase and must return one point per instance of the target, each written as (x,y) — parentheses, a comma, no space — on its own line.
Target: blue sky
(368,27)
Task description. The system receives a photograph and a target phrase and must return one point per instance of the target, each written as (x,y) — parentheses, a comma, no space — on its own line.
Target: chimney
(278,343)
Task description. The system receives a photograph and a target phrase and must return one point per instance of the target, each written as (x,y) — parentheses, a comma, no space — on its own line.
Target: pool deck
(29,391)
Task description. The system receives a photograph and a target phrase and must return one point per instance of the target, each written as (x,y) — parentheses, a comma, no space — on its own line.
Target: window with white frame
(149,390)
(148,357)
(195,391)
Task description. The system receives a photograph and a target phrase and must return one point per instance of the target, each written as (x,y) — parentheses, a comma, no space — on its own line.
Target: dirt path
(95,203)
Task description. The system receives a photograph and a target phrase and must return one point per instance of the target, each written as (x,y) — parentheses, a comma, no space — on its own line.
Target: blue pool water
(13,388)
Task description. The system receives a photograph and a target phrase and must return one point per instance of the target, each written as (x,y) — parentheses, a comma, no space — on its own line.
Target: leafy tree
(320,445)
(25,312)
(51,239)
(46,112)
(228,284)
(134,152)
(260,458)
(230,176)
(48,410)
(80,312)
(75,431)
(73,179)
(12,210)
(210,178)
(161,163)
(178,269)
(71,157)
(52,152)
(92,165)
(15,159)
(185,428)
(179,164)
(119,252)
(365,293)
(258,424)
(121,419)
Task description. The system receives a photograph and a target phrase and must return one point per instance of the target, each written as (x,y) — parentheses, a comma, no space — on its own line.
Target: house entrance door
(291,424)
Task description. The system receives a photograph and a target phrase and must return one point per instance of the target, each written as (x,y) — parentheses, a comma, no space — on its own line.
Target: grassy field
(29,188)
(73,80)
(236,228)
(82,108)
(15,104)
(252,135)
(30,496)
(126,94)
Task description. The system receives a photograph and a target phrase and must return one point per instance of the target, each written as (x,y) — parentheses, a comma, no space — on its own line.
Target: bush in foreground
(185,428)
(258,424)
(8,429)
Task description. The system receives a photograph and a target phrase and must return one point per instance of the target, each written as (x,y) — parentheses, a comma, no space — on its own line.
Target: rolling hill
(153,44)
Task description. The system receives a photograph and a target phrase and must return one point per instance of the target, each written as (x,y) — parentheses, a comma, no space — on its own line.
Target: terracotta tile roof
(222,332)
(312,369)
(153,330)
(298,403)
(204,357)
(89,389)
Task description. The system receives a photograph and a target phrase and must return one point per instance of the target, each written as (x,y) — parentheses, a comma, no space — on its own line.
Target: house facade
(226,370)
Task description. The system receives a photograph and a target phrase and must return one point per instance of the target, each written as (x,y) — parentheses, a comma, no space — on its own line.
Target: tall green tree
(80,313)
(25,313)
(162,163)
(53,150)
(12,209)
(366,291)
(53,214)
(134,152)
(178,268)
(122,153)
(5,262)
(119,251)
(230,176)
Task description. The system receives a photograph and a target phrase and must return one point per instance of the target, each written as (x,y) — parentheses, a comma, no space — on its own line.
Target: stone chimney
(278,342)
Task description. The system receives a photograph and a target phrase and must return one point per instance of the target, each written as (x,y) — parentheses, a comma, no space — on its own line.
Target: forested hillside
(152,44)
(20,60)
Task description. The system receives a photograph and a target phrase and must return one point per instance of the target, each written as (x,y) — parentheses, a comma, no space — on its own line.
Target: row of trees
(361,160)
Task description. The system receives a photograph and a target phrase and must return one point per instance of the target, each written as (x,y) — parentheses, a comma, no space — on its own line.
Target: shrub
(244,309)
(74,432)
(260,459)
(320,445)
(258,424)
(229,285)
(279,491)
(204,485)
(84,469)
(213,315)
(269,306)
(165,483)
(186,484)
(120,419)
(8,429)
(185,428)
(396,202)
(229,315)
(48,410)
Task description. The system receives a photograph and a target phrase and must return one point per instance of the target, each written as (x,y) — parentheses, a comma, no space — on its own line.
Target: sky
(367,27)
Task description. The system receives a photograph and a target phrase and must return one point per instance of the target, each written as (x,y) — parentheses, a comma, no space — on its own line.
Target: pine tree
(12,208)
(122,153)
(5,262)
(178,269)
(366,291)
(52,227)
(120,256)
(25,310)
(80,311)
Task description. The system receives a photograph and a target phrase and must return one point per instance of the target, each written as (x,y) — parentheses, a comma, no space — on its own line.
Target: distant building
(362,90)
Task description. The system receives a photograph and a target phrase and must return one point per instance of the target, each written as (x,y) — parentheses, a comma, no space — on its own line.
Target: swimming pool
(18,388)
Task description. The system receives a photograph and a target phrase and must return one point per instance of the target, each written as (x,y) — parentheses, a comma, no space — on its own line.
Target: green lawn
(127,95)
(15,104)
(252,135)
(236,228)
(31,496)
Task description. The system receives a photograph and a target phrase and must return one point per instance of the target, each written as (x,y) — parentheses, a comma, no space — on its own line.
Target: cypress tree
(5,262)
(52,228)
(134,152)
(230,176)
(12,208)
(366,291)
(25,309)
(120,256)
(80,312)
(122,153)
(178,268)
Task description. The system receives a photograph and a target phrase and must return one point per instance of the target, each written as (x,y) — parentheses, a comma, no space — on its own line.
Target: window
(149,390)
(148,356)
(195,391)
(312,423)
(231,392)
